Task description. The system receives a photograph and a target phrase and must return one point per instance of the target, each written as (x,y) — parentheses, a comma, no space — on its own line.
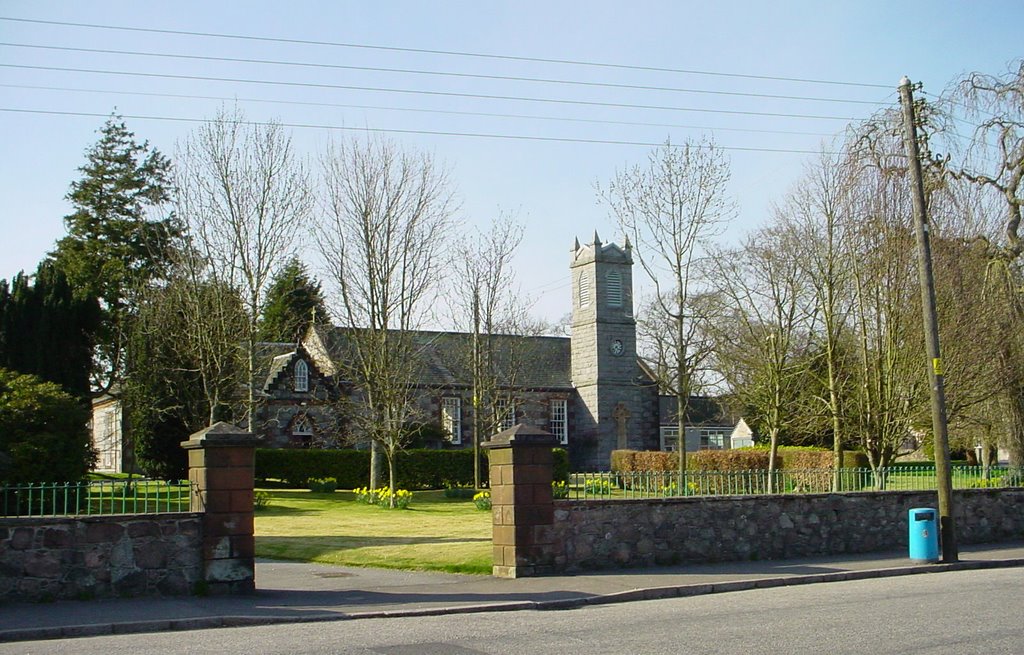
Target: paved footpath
(289,592)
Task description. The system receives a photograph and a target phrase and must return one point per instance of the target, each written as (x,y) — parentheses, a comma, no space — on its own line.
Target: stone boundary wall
(595,534)
(50,558)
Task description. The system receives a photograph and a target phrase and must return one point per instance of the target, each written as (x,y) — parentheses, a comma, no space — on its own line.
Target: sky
(535,147)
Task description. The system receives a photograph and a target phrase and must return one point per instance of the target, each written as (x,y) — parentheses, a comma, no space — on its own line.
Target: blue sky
(549,185)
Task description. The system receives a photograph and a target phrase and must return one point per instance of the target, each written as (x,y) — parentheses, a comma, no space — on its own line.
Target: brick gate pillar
(521,467)
(221,462)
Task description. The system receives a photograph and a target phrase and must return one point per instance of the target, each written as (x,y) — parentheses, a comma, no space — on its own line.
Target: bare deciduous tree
(244,194)
(995,156)
(994,160)
(386,222)
(671,208)
(890,378)
(816,212)
(769,316)
(485,303)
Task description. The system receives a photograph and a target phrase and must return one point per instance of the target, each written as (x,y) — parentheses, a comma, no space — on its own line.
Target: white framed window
(713,439)
(669,437)
(559,425)
(451,418)
(302,427)
(505,413)
(301,375)
(613,285)
(584,289)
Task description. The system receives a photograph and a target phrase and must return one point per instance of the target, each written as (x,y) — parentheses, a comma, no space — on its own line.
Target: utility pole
(947,528)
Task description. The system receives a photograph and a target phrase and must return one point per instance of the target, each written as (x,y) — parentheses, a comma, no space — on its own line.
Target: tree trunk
(837,438)
(773,454)
(375,465)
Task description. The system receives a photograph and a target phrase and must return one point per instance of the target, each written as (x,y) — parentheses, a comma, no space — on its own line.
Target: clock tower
(605,371)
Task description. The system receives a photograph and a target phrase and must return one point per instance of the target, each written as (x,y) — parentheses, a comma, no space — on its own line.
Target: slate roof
(700,410)
(445,357)
(271,359)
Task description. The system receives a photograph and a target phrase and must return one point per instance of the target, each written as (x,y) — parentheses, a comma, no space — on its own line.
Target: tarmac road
(962,612)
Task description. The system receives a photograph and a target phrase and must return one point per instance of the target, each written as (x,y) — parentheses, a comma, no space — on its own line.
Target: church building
(590,389)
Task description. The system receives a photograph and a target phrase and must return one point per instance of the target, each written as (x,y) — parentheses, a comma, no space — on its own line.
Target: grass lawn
(434,534)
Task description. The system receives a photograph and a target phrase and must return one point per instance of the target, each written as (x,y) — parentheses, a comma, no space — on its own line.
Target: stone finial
(628,245)
(597,240)
(220,433)
(521,434)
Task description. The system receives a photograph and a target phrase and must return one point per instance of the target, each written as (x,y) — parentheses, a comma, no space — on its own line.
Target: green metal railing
(668,484)
(95,498)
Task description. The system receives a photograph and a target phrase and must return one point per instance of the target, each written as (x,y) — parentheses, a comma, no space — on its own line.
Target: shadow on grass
(284,510)
(338,542)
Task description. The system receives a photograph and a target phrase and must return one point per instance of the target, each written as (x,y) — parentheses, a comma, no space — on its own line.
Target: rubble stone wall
(48,558)
(594,534)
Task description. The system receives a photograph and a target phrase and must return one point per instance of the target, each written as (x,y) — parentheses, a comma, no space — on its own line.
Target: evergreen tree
(46,330)
(292,299)
(113,247)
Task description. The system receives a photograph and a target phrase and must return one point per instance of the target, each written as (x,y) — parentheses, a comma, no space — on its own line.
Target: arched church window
(301,376)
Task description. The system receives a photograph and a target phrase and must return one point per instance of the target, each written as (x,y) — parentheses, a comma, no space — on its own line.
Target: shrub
(559,489)
(653,460)
(855,459)
(402,498)
(802,457)
(382,497)
(436,469)
(43,437)
(365,496)
(323,485)
(260,501)
(295,467)
(459,492)
(482,500)
(597,487)
(985,484)
(742,459)
(623,461)
(560,470)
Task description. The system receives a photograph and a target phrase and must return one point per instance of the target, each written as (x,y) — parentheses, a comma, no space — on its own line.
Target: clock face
(617,347)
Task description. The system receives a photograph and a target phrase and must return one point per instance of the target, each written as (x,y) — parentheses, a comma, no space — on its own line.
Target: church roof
(272,358)
(528,362)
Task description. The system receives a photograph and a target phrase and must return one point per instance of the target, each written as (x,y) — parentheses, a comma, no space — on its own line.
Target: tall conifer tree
(294,298)
(114,246)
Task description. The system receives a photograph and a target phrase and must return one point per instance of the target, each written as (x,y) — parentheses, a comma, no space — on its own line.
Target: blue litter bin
(924,534)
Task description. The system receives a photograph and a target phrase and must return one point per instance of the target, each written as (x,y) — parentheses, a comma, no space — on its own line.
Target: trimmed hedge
(416,468)
(739,459)
(296,467)
(436,469)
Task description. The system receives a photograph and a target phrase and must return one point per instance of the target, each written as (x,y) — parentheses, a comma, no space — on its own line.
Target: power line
(346,87)
(452,53)
(514,137)
(185,96)
(509,78)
